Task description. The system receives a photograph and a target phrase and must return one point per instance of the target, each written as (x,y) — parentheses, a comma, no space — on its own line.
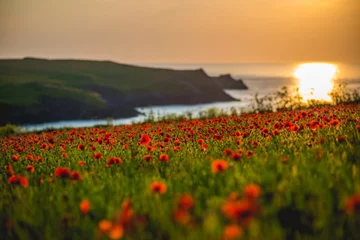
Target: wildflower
(64,155)
(10,170)
(228,152)
(341,139)
(352,205)
(30,169)
(62,172)
(182,216)
(15,158)
(81,147)
(241,211)
(18,180)
(186,202)
(145,139)
(236,156)
(232,231)
(218,166)
(75,176)
(204,146)
(158,187)
(97,156)
(252,191)
(164,158)
(116,232)
(104,226)
(85,206)
(113,160)
(81,163)
(147,158)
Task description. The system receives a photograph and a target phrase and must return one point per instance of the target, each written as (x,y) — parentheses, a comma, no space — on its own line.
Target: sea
(261,78)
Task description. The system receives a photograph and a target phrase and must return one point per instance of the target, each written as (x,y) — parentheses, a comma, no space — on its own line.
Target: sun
(316,80)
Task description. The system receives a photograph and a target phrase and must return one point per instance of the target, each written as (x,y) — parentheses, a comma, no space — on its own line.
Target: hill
(36,90)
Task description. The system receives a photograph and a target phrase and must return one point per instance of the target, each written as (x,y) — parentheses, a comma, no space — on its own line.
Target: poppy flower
(228,152)
(219,166)
(252,191)
(236,156)
(242,211)
(113,160)
(15,158)
(81,163)
(116,232)
(18,180)
(97,156)
(164,158)
(145,139)
(232,231)
(147,158)
(181,216)
(75,176)
(352,205)
(81,147)
(30,169)
(158,187)
(186,202)
(62,172)
(104,226)
(341,139)
(85,206)
(204,146)
(10,170)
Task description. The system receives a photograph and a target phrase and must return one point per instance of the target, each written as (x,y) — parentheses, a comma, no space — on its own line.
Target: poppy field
(283,175)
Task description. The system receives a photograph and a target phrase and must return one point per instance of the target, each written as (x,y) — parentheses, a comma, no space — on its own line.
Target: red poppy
(352,205)
(113,160)
(10,170)
(232,231)
(186,202)
(219,166)
(252,191)
(145,139)
(75,176)
(147,158)
(30,169)
(158,187)
(15,158)
(164,158)
(18,180)
(97,156)
(85,206)
(62,172)
(81,147)
(241,211)
(341,139)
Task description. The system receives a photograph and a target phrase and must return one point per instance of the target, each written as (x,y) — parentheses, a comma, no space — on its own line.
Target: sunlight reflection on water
(316,80)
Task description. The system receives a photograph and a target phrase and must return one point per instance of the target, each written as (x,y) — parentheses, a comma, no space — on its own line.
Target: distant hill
(38,90)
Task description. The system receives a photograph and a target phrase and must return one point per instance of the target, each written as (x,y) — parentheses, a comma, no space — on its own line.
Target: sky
(186,31)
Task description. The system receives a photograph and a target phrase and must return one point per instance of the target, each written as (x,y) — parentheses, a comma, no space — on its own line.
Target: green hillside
(30,88)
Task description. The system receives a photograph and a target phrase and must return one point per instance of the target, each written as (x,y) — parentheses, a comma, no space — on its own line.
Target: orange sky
(182,31)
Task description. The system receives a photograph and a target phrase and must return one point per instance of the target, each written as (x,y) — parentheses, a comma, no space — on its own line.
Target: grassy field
(284,175)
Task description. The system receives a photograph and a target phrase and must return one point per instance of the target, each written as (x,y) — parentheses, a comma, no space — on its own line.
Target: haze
(184,31)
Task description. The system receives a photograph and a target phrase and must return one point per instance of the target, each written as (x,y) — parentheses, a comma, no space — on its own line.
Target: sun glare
(316,80)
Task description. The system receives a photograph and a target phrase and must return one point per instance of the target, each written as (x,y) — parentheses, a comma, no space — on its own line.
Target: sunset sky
(186,31)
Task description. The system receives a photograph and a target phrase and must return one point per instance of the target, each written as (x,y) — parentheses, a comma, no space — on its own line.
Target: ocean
(261,78)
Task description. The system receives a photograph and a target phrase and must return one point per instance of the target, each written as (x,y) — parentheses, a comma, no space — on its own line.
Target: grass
(284,175)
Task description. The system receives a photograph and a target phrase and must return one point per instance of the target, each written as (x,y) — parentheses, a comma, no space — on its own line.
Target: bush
(8,130)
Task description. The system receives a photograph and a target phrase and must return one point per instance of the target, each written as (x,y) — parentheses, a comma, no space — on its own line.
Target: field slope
(284,175)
